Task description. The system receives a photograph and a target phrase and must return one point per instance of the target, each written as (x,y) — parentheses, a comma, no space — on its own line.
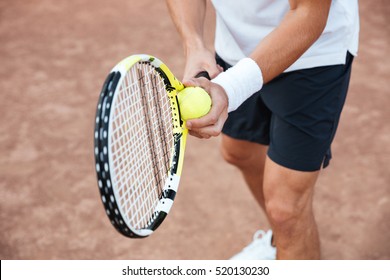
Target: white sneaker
(260,248)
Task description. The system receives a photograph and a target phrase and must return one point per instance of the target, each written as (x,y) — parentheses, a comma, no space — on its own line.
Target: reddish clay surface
(54,57)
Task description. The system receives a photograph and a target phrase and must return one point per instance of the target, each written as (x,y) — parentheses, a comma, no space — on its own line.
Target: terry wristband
(240,82)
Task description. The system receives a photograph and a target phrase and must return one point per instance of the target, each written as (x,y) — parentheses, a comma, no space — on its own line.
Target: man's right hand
(200,60)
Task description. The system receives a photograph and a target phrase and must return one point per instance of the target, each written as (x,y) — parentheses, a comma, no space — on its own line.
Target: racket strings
(141,143)
(148,124)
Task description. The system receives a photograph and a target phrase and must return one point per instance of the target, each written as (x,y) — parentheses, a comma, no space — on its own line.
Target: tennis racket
(139,144)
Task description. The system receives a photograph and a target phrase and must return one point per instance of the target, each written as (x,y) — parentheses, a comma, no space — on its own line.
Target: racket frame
(102,142)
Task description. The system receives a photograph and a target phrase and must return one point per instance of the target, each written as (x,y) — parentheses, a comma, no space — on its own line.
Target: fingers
(211,130)
(200,82)
(211,124)
(199,60)
(212,71)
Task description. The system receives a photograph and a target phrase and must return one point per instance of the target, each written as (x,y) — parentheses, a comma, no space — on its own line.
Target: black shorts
(296,114)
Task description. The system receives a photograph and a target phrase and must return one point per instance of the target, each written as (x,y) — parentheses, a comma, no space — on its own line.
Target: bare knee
(242,153)
(234,157)
(288,196)
(283,214)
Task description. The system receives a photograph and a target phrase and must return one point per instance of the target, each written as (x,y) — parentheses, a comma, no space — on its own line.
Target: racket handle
(203,74)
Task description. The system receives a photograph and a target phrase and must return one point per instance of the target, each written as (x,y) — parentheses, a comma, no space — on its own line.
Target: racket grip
(203,74)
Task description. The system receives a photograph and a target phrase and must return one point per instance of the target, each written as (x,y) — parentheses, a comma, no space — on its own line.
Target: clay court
(54,58)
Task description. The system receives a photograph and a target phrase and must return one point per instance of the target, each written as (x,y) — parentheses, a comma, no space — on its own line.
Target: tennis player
(287,67)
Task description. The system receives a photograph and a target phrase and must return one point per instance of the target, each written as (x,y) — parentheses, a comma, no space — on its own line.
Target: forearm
(188,17)
(300,28)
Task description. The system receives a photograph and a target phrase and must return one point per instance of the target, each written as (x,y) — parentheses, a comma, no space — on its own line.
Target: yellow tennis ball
(194,103)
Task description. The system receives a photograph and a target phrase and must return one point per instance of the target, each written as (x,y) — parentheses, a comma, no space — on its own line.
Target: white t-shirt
(241,25)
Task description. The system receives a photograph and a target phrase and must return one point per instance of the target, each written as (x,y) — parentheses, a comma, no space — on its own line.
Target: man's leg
(249,157)
(288,198)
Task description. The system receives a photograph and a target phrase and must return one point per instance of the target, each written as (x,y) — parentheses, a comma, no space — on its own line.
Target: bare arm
(300,28)
(188,17)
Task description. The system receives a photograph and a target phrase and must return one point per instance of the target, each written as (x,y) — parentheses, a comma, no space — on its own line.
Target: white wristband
(240,82)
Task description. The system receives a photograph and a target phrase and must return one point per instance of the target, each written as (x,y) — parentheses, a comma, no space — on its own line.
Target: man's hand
(188,17)
(211,124)
(198,60)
